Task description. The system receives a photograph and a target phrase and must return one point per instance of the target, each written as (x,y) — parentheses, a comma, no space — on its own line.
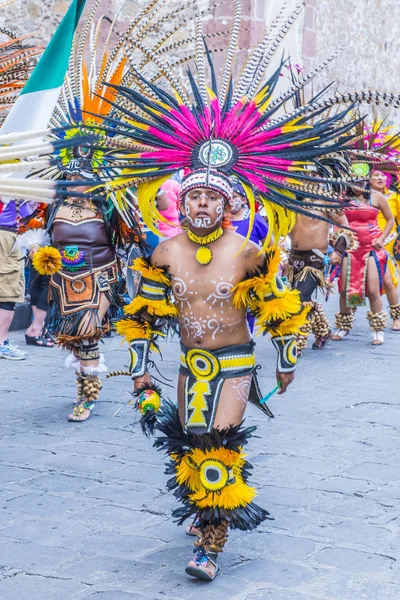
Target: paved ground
(85,514)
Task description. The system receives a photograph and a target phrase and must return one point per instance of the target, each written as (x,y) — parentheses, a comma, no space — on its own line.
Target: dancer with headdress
(78,246)
(207,277)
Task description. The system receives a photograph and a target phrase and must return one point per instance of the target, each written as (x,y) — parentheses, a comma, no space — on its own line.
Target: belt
(6,228)
(231,361)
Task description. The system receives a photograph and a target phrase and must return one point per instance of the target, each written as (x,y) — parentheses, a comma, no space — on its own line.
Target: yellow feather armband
(130,330)
(157,308)
(47,260)
(152,272)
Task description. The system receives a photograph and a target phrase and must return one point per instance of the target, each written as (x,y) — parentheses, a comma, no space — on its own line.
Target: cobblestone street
(85,513)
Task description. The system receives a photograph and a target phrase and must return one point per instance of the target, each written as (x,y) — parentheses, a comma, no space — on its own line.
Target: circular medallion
(215,153)
(78,286)
(204,365)
(360,169)
(203,255)
(278,287)
(213,474)
(292,352)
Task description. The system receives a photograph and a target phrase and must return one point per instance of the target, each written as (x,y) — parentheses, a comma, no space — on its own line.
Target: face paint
(204,208)
(235,204)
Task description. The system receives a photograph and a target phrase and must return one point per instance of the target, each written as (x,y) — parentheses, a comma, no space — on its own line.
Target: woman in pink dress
(363,269)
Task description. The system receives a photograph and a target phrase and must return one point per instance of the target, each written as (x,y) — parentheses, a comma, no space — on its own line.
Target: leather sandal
(201,558)
(78,410)
(339,335)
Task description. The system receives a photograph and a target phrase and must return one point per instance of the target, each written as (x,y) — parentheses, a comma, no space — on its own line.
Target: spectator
(12,282)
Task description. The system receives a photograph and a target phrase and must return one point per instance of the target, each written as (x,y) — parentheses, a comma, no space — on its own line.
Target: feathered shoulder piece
(152,272)
(153,298)
(277,309)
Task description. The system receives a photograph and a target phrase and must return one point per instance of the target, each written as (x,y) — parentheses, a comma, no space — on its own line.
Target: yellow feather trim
(278,308)
(150,271)
(257,287)
(133,330)
(292,325)
(230,495)
(47,260)
(158,308)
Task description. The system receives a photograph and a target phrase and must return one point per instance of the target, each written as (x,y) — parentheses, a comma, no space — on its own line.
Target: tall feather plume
(201,70)
(303,81)
(231,51)
(80,53)
(255,56)
(266,60)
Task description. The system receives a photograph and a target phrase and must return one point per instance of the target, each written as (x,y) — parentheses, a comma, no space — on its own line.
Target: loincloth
(306,263)
(75,299)
(205,373)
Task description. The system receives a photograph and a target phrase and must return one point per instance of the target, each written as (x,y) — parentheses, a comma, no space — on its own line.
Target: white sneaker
(11,352)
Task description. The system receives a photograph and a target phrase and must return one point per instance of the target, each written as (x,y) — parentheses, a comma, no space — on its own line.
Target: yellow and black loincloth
(205,373)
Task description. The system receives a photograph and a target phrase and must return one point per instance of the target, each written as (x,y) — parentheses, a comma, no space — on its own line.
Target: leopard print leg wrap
(213,537)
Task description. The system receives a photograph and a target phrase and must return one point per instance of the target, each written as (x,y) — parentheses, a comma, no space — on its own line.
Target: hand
(377,243)
(33,250)
(335,258)
(141,382)
(284,379)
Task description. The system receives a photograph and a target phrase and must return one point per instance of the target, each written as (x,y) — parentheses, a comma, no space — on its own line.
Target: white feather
(31,238)
(101,368)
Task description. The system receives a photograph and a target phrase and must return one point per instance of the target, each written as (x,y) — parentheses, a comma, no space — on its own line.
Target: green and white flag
(34,106)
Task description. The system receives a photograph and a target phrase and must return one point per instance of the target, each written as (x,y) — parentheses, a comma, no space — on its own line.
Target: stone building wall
(367,30)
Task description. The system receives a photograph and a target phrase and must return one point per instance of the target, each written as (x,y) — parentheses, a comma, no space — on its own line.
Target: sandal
(76,415)
(320,342)
(201,560)
(378,337)
(38,340)
(339,335)
(193,527)
(396,325)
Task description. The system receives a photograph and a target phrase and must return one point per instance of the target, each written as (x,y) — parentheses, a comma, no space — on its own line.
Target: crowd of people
(225,215)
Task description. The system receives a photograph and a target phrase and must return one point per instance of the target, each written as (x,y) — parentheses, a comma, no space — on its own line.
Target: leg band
(88,351)
(377,321)
(344,321)
(395,312)
(320,324)
(305,330)
(91,386)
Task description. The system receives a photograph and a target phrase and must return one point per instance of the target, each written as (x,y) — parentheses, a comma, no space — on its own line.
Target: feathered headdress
(375,147)
(234,128)
(21,153)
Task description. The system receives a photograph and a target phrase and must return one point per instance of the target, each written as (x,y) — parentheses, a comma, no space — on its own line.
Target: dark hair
(352,193)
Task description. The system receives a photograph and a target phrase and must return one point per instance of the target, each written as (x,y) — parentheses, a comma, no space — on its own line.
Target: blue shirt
(259,231)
